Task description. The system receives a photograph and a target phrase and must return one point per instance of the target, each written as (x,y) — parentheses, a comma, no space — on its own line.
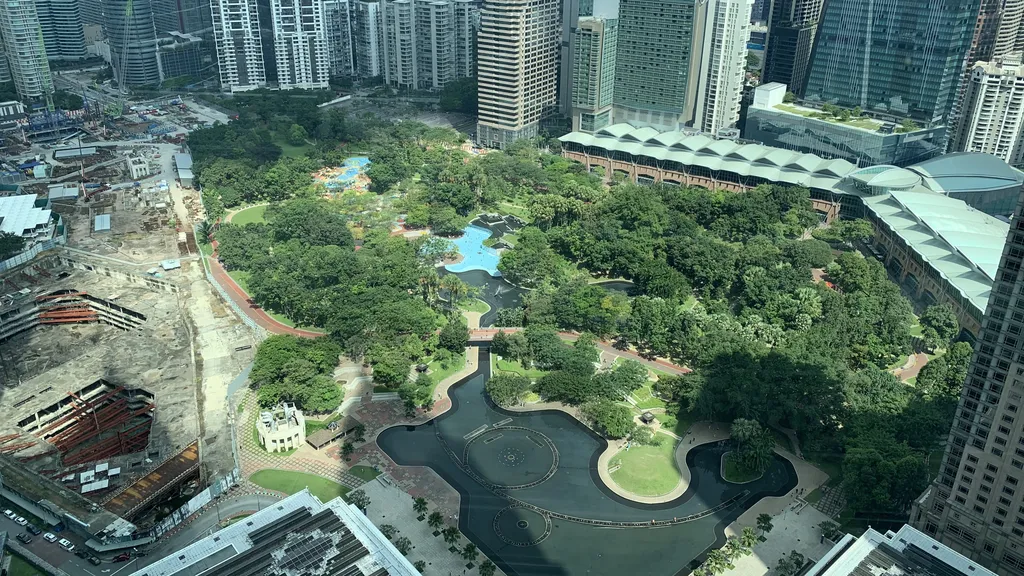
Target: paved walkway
(912,367)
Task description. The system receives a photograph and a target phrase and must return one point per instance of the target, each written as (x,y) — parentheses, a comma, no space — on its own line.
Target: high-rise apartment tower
(722,64)
(23,44)
(300,44)
(992,116)
(517,78)
(975,504)
(593,73)
(338,22)
(236,30)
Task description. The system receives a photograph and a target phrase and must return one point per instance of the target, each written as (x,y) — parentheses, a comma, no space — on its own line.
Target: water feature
(475,256)
(532,500)
(494,290)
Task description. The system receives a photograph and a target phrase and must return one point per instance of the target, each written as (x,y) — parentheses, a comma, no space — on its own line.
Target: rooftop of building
(774,164)
(867,120)
(907,551)
(20,215)
(967,172)
(297,536)
(962,244)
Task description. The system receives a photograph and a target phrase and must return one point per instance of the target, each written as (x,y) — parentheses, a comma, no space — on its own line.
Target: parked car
(49,537)
(24,538)
(10,514)
(66,544)
(20,521)
(81,554)
(94,561)
(123,557)
(32,528)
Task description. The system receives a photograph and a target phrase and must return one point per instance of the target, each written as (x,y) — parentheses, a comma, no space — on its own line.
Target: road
(57,556)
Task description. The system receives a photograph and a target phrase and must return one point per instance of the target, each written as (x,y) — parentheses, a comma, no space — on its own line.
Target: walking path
(912,367)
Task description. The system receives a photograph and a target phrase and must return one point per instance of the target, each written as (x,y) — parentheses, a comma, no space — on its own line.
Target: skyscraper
(593,73)
(992,116)
(236,30)
(517,78)
(26,54)
(368,38)
(903,56)
(338,22)
(653,64)
(722,64)
(61,23)
(466,16)
(128,26)
(300,44)
(791,28)
(974,505)
(400,43)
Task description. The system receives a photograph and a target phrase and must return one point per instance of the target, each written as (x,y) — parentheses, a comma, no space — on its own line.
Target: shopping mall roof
(20,216)
(967,172)
(773,164)
(962,244)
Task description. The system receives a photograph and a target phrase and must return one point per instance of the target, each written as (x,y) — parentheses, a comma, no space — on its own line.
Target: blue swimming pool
(475,256)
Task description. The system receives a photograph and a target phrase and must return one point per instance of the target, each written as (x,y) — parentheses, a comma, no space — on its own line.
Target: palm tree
(764,523)
(451,535)
(486,568)
(748,538)
(428,286)
(420,505)
(717,562)
(469,552)
(435,520)
(456,288)
(205,230)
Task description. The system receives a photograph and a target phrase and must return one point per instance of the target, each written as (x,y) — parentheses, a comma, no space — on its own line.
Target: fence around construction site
(58,240)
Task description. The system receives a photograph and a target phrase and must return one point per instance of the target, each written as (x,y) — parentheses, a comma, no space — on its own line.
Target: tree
(359,432)
(347,449)
(790,565)
(451,535)
(459,96)
(297,135)
(907,125)
(435,520)
(454,336)
(487,568)
(420,566)
(764,523)
(469,552)
(754,444)
(748,538)
(717,562)
(789,97)
(644,436)
(506,389)
(615,420)
(390,368)
(360,499)
(419,505)
(404,545)
(939,325)
(388,531)
(10,245)
(830,530)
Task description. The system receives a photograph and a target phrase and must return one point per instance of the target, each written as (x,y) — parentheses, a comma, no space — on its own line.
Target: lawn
(866,123)
(253,215)
(501,365)
(290,150)
(645,398)
(290,482)
(647,470)
(438,372)
(677,424)
(363,472)
(734,472)
(21,567)
(514,210)
(475,305)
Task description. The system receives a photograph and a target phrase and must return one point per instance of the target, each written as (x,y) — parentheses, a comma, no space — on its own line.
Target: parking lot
(63,559)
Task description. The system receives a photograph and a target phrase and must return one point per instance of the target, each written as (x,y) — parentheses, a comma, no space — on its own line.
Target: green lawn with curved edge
(290,482)
(475,305)
(647,470)
(252,215)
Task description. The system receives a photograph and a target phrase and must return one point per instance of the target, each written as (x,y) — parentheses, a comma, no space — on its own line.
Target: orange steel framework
(78,434)
(65,309)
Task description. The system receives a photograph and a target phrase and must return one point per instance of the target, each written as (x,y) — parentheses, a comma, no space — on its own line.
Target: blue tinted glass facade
(900,56)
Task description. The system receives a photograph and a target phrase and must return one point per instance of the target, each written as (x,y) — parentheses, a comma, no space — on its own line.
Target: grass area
(238,518)
(531,397)
(514,210)
(438,372)
(647,470)
(381,389)
(501,365)
(206,249)
(865,123)
(21,567)
(815,496)
(916,330)
(290,482)
(256,441)
(475,305)
(677,424)
(689,303)
(645,398)
(735,472)
(363,472)
(318,425)
(510,239)
(290,150)
(253,215)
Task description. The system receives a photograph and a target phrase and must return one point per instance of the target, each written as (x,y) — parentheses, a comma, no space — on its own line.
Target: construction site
(113,384)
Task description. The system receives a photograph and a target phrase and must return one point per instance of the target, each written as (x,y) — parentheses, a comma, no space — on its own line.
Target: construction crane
(47,79)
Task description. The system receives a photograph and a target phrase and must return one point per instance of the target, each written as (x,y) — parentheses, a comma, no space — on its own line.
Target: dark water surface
(533,502)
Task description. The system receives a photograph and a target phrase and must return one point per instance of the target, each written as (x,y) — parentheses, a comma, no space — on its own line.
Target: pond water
(475,256)
(495,291)
(533,502)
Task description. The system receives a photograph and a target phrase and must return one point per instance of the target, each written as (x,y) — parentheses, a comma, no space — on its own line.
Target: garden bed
(733,472)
